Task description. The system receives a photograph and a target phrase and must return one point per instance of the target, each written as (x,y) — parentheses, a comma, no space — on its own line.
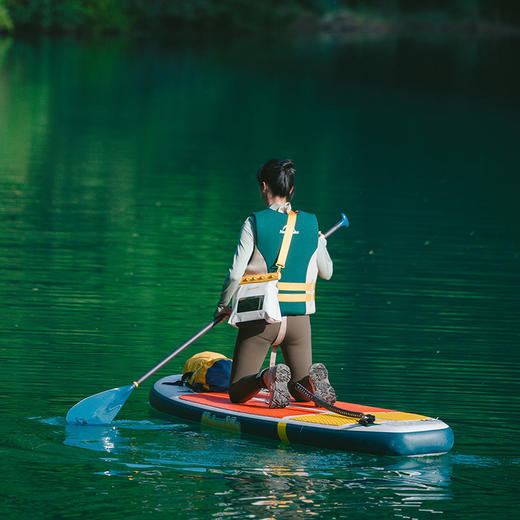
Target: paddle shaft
(177,351)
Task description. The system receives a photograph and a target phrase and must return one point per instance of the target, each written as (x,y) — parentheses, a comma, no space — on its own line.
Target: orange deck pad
(259,407)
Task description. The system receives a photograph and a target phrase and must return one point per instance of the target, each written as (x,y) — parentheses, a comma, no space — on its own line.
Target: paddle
(343,222)
(103,407)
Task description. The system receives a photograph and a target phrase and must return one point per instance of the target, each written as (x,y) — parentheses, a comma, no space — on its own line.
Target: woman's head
(278,177)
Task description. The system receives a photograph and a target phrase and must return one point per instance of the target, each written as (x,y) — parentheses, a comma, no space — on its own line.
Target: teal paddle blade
(99,408)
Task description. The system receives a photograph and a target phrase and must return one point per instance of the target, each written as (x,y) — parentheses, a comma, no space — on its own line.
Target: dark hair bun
(278,175)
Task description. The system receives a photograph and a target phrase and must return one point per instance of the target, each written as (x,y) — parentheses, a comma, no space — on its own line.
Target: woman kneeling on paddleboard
(260,240)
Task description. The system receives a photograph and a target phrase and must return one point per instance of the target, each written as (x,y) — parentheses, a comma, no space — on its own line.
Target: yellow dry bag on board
(207,372)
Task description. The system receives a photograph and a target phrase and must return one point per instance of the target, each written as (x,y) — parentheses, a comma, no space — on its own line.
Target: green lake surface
(126,171)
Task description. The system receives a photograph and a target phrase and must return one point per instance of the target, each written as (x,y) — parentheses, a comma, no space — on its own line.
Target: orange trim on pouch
(257,278)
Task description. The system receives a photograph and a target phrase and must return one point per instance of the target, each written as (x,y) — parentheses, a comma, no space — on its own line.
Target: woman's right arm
(325,266)
(243,253)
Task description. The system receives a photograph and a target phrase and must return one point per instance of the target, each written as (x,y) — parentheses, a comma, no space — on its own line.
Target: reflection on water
(266,479)
(125,174)
(105,438)
(97,438)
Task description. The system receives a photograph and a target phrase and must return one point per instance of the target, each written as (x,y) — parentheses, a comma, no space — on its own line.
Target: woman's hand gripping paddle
(103,407)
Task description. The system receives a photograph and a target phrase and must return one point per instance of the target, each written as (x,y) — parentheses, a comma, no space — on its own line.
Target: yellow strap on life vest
(282,255)
(296,286)
(294,297)
(286,242)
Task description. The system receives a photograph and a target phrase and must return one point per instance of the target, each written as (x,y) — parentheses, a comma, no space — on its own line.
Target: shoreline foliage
(249,16)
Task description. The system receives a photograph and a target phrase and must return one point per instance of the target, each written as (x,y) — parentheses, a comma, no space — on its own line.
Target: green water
(126,171)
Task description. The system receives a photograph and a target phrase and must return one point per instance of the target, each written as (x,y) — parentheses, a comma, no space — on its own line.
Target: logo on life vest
(282,231)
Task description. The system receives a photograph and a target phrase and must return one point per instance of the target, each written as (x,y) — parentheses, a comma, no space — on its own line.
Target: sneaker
(276,379)
(320,381)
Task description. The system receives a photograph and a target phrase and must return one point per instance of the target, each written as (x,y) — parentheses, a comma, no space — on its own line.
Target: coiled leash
(364,419)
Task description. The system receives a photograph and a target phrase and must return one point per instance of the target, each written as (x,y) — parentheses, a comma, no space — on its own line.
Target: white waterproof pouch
(257,300)
(257,294)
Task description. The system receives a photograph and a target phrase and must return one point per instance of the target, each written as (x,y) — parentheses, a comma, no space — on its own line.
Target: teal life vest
(297,285)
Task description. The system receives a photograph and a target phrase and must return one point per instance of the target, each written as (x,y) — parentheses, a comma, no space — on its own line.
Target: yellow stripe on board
(282,431)
(333,419)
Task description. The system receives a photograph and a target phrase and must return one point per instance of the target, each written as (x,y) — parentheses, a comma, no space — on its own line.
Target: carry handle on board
(103,407)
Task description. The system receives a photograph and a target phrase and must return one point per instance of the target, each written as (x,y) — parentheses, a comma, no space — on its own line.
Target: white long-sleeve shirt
(245,249)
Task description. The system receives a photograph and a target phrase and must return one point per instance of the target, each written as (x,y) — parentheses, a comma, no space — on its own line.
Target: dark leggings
(252,345)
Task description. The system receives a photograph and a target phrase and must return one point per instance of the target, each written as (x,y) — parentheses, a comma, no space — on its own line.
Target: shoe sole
(279,396)
(320,379)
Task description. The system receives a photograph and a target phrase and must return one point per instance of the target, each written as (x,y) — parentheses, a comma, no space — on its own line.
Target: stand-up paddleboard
(392,433)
